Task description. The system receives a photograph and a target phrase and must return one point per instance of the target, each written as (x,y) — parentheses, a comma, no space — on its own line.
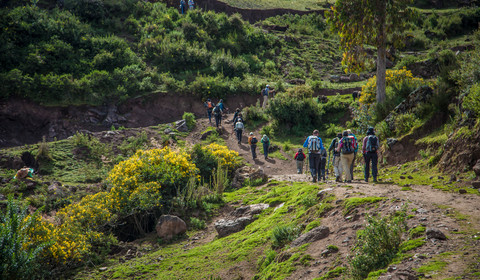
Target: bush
(281,235)
(20,255)
(197,223)
(405,122)
(189,119)
(296,111)
(377,244)
(254,114)
(472,99)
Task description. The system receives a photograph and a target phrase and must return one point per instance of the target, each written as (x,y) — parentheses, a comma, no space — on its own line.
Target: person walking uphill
(337,166)
(314,145)
(299,157)
(346,148)
(265,93)
(217,112)
(355,150)
(209,105)
(266,143)
(369,148)
(323,163)
(252,141)
(239,130)
(191,4)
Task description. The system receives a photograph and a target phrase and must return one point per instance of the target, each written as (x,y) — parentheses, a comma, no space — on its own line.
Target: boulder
(433,233)
(249,210)
(399,275)
(321,194)
(227,227)
(56,189)
(169,226)
(206,134)
(476,168)
(245,172)
(181,126)
(167,130)
(315,234)
(476,184)
(273,148)
(391,141)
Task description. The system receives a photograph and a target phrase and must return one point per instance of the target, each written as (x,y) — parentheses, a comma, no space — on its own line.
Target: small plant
(197,223)
(308,201)
(43,152)
(281,235)
(189,119)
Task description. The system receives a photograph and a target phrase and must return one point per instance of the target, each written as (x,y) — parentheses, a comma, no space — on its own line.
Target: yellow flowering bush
(228,158)
(206,158)
(394,78)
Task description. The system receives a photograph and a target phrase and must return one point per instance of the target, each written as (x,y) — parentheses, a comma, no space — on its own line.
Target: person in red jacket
(299,157)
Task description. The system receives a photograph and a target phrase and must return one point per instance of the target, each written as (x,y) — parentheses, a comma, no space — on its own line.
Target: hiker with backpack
(369,148)
(252,141)
(346,147)
(337,166)
(191,4)
(239,130)
(182,6)
(217,112)
(299,157)
(209,105)
(266,143)
(265,93)
(222,107)
(350,134)
(323,163)
(314,145)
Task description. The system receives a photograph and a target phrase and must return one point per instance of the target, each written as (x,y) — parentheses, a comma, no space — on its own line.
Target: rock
(103,268)
(2,197)
(410,177)
(227,227)
(167,130)
(399,275)
(421,211)
(391,141)
(433,233)
(476,168)
(56,188)
(402,177)
(462,191)
(245,172)
(181,126)
(476,184)
(440,178)
(250,210)
(321,194)
(273,148)
(315,234)
(168,226)
(206,134)
(453,178)
(415,170)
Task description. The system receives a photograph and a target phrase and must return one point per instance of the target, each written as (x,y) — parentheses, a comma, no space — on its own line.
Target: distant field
(301,5)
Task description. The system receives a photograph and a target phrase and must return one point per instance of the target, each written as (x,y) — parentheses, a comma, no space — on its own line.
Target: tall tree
(368,22)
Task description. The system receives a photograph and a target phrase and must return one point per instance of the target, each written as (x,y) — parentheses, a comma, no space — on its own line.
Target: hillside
(104,101)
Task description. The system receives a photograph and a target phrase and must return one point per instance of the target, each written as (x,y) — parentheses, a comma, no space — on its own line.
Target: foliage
(295,110)
(377,244)
(211,157)
(281,235)
(405,122)
(189,119)
(472,99)
(20,256)
(197,223)
(254,114)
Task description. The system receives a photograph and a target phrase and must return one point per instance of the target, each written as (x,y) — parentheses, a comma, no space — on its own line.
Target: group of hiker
(216,109)
(344,148)
(183,6)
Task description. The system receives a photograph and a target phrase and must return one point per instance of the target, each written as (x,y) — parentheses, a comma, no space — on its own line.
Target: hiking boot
(314,179)
(366,180)
(374,180)
(348,181)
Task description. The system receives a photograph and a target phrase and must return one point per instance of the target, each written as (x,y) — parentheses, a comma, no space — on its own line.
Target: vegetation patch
(353,202)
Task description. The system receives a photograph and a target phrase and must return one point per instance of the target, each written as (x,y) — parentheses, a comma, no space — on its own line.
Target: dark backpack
(347,147)
(216,110)
(300,156)
(372,143)
(254,140)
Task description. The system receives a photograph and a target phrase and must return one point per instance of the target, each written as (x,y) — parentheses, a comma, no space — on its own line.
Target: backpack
(264,92)
(239,126)
(216,110)
(265,139)
(347,147)
(372,143)
(300,157)
(209,105)
(254,140)
(314,144)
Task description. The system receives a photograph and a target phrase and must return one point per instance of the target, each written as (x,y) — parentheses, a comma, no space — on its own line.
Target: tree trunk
(381,53)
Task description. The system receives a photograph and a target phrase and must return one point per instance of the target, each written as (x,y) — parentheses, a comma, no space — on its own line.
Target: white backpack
(314,144)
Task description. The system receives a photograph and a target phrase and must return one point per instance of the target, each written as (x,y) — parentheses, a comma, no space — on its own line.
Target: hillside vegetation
(91,207)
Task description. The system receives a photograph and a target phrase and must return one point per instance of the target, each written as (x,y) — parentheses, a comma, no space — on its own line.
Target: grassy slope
(300,5)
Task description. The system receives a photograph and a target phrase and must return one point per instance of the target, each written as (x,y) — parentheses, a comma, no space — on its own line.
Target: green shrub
(377,244)
(405,122)
(254,114)
(189,119)
(197,223)
(281,235)
(472,99)
(308,201)
(20,256)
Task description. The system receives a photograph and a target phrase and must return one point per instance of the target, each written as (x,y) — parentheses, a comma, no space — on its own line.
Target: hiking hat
(370,131)
(300,150)
(251,133)
(349,131)
(268,86)
(339,135)
(221,100)
(316,132)
(208,99)
(264,135)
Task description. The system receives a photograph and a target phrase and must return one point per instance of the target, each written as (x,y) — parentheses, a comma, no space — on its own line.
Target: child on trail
(252,141)
(369,148)
(239,130)
(323,163)
(209,105)
(337,166)
(346,148)
(299,157)
(266,143)
(217,112)
(314,145)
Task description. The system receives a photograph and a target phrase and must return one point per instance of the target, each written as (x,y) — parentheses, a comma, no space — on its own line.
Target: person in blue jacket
(314,145)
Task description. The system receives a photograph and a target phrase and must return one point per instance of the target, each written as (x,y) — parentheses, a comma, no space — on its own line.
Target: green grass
(300,5)
(333,273)
(353,202)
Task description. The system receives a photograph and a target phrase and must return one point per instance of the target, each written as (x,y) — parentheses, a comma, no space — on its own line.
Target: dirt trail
(456,215)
